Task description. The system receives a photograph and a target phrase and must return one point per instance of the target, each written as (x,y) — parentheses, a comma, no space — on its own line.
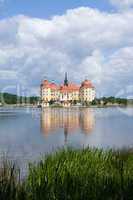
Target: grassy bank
(73,174)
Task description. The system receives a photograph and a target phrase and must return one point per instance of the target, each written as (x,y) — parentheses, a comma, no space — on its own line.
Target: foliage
(7,98)
(111,101)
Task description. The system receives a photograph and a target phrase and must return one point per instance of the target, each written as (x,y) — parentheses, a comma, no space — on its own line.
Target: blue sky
(48,8)
(87,38)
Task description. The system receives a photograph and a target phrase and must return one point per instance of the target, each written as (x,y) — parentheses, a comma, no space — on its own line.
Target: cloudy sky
(87,38)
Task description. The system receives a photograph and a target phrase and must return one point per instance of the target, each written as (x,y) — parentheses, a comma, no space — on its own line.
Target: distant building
(87,91)
(67,93)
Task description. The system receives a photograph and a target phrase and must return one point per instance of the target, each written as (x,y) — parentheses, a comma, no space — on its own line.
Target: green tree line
(112,100)
(6,98)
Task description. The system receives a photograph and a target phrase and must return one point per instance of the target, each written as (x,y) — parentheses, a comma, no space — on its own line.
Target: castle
(66,94)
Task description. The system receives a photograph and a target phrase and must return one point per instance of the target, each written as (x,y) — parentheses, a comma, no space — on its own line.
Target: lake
(26,134)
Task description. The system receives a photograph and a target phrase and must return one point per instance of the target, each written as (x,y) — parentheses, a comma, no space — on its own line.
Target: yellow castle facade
(67,93)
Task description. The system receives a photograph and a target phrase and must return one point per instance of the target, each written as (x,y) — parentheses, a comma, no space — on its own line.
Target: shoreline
(73,106)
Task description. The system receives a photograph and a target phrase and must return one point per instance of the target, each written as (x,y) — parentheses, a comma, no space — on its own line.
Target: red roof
(46,84)
(86,84)
(70,88)
(53,86)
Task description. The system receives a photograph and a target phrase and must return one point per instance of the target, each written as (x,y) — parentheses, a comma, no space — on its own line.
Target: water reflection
(21,135)
(70,120)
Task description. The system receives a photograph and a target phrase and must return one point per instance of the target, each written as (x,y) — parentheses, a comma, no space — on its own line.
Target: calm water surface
(26,134)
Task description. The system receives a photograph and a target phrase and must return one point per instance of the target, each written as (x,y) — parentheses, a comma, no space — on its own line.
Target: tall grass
(11,187)
(83,174)
(88,174)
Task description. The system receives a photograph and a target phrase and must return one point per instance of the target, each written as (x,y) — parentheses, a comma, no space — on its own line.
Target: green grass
(11,187)
(87,174)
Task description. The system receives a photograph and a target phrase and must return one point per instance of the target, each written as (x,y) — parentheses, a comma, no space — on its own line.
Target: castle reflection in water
(69,119)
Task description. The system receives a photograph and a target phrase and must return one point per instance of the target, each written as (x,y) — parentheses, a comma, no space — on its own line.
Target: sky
(89,39)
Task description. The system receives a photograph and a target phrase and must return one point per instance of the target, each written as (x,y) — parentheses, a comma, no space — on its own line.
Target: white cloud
(85,42)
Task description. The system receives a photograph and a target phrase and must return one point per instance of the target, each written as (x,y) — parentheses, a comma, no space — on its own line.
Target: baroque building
(67,93)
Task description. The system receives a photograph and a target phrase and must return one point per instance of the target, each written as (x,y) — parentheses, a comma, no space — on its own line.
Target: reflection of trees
(70,119)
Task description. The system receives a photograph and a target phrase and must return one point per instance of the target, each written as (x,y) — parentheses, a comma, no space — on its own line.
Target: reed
(69,174)
(83,174)
(11,187)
